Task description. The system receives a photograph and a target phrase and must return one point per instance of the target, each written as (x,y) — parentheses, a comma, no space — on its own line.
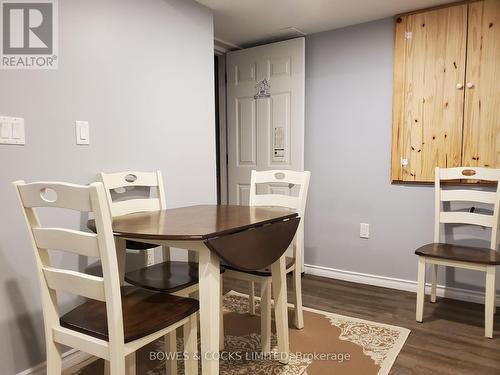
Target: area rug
(328,344)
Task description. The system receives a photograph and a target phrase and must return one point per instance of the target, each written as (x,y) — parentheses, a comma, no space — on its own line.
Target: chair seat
(266,272)
(144,312)
(467,254)
(133,245)
(168,276)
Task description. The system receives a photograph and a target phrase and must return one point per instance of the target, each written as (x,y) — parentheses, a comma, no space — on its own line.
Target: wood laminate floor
(449,341)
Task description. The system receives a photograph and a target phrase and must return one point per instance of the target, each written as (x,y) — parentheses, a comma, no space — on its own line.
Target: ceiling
(243,23)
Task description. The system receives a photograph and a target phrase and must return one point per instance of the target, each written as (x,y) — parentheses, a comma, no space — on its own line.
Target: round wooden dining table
(250,238)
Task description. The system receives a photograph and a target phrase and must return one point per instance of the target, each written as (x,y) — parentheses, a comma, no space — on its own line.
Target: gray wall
(347,150)
(142,74)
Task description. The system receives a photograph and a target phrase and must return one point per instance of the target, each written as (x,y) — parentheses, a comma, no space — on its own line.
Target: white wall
(141,72)
(348,149)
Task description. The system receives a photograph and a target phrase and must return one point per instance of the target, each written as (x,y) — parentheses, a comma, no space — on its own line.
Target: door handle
(460,86)
(470,85)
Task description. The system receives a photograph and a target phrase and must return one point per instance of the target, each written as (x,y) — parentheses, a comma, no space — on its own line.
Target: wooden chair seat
(460,253)
(266,272)
(133,245)
(144,312)
(170,276)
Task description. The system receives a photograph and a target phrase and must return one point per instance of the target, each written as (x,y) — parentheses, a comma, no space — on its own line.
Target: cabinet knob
(460,86)
(470,85)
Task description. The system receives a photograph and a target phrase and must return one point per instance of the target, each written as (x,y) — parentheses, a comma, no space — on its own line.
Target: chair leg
(119,367)
(420,289)
(489,305)
(194,295)
(117,362)
(165,253)
(265,316)
(130,364)
(54,358)
(170,342)
(191,345)
(221,319)
(251,298)
(121,257)
(434,282)
(297,290)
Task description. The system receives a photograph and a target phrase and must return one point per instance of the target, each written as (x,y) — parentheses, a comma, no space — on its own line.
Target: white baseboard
(74,359)
(394,283)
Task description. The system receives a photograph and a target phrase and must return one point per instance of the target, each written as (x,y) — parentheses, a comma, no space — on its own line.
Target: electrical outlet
(150,257)
(364,230)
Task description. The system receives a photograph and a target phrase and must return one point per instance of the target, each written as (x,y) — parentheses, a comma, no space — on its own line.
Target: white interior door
(265,132)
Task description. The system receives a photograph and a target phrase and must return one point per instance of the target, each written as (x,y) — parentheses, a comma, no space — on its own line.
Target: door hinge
(225,78)
(408,35)
(227,159)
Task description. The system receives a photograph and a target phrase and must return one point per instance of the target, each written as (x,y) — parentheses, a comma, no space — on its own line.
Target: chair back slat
(113,181)
(473,195)
(75,283)
(129,178)
(135,205)
(279,176)
(278,200)
(467,218)
(43,194)
(460,195)
(473,173)
(74,241)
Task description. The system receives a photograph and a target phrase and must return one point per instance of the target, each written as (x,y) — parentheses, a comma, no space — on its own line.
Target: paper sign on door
(279,144)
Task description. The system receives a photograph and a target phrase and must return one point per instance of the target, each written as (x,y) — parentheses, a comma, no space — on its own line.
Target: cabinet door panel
(398,99)
(481,146)
(431,121)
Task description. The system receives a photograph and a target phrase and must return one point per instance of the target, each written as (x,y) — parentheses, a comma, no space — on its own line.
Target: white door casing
(264,133)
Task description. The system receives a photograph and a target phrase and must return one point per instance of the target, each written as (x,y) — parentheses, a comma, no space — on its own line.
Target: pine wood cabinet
(446,103)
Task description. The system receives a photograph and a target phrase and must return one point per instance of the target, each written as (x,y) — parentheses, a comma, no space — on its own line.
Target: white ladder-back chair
(118,183)
(473,258)
(174,277)
(294,264)
(168,276)
(112,323)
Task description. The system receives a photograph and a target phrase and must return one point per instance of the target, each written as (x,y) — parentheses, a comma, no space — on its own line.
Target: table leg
(121,252)
(193,258)
(209,288)
(278,271)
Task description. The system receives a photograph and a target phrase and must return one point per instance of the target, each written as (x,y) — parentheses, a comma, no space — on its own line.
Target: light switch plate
(82,132)
(12,130)
(364,230)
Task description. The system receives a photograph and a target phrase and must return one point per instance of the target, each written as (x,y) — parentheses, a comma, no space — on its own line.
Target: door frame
(222,125)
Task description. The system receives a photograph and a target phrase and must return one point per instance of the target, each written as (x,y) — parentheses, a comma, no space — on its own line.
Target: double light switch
(11,130)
